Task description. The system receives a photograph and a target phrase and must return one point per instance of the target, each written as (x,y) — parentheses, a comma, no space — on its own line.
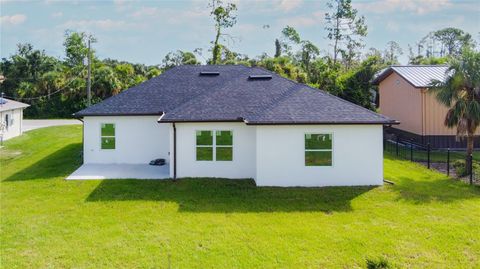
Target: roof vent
(260,77)
(2,100)
(209,73)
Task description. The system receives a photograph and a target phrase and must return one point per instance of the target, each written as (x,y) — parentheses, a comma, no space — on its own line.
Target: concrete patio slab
(119,171)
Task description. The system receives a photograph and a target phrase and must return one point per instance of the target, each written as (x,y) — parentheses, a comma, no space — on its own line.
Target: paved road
(29,125)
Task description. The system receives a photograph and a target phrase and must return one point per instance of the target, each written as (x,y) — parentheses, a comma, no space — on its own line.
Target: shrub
(380,263)
(461,170)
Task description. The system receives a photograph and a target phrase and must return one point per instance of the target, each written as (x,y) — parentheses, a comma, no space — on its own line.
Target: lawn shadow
(429,186)
(426,191)
(224,195)
(60,163)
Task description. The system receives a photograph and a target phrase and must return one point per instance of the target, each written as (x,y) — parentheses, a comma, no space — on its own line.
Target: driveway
(29,125)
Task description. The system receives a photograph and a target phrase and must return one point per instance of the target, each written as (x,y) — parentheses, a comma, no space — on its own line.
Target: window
(108,136)
(318,150)
(7,120)
(204,146)
(224,143)
(219,145)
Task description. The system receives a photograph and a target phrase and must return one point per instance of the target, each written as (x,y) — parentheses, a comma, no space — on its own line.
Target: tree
(290,36)
(224,16)
(345,29)
(284,67)
(441,43)
(308,53)
(177,58)
(153,72)
(76,48)
(278,48)
(392,52)
(452,40)
(460,92)
(355,85)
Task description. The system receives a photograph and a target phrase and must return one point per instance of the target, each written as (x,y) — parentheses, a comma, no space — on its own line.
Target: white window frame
(214,145)
(320,150)
(108,136)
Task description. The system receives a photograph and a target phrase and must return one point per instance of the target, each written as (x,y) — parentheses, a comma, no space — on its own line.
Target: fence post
(411,150)
(470,169)
(448,161)
(396,148)
(428,155)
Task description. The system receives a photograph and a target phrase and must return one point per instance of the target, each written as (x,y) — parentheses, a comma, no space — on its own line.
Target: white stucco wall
(15,127)
(357,156)
(139,139)
(242,165)
(272,155)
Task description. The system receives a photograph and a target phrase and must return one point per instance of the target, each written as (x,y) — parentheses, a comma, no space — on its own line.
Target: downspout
(83,139)
(174,152)
(422,92)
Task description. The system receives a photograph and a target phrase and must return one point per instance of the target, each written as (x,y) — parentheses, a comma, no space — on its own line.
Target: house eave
(326,123)
(81,115)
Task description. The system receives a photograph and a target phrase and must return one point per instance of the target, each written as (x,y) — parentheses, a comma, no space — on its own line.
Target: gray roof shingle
(183,95)
(7,104)
(420,76)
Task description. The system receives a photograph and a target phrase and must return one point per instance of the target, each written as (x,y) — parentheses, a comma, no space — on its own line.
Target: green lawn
(424,220)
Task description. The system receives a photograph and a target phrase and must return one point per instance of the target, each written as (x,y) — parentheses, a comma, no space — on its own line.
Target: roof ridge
(275,101)
(419,65)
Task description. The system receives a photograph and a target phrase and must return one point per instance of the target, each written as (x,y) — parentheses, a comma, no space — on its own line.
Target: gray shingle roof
(184,95)
(7,104)
(420,76)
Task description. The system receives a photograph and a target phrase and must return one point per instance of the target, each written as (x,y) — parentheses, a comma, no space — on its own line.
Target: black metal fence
(450,162)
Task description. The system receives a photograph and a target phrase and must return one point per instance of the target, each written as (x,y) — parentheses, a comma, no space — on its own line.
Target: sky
(145,31)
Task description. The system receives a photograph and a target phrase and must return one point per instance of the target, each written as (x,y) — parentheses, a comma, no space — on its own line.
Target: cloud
(418,7)
(145,12)
(57,14)
(287,5)
(304,20)
(13,19)
(171,16)
(107,24)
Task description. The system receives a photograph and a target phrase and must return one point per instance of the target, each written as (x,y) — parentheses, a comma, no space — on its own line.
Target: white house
(236,122)
(11,117)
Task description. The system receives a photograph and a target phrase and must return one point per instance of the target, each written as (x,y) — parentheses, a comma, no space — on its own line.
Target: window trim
(318,150)
(109,136)
(214,145)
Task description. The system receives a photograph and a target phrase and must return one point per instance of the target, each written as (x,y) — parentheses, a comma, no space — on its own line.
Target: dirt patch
(442,168)
(9,154)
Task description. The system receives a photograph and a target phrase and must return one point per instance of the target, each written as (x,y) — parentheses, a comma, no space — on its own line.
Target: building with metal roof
(405,95)
(420,76)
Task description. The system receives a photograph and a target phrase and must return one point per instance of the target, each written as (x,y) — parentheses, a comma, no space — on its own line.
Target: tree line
(57,87)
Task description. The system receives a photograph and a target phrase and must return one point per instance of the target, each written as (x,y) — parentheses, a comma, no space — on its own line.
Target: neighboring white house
(11,118)
(238,122)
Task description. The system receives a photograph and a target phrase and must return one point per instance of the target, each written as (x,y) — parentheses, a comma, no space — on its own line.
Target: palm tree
(461,93)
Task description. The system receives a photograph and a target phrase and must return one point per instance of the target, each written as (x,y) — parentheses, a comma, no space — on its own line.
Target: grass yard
(425,220)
